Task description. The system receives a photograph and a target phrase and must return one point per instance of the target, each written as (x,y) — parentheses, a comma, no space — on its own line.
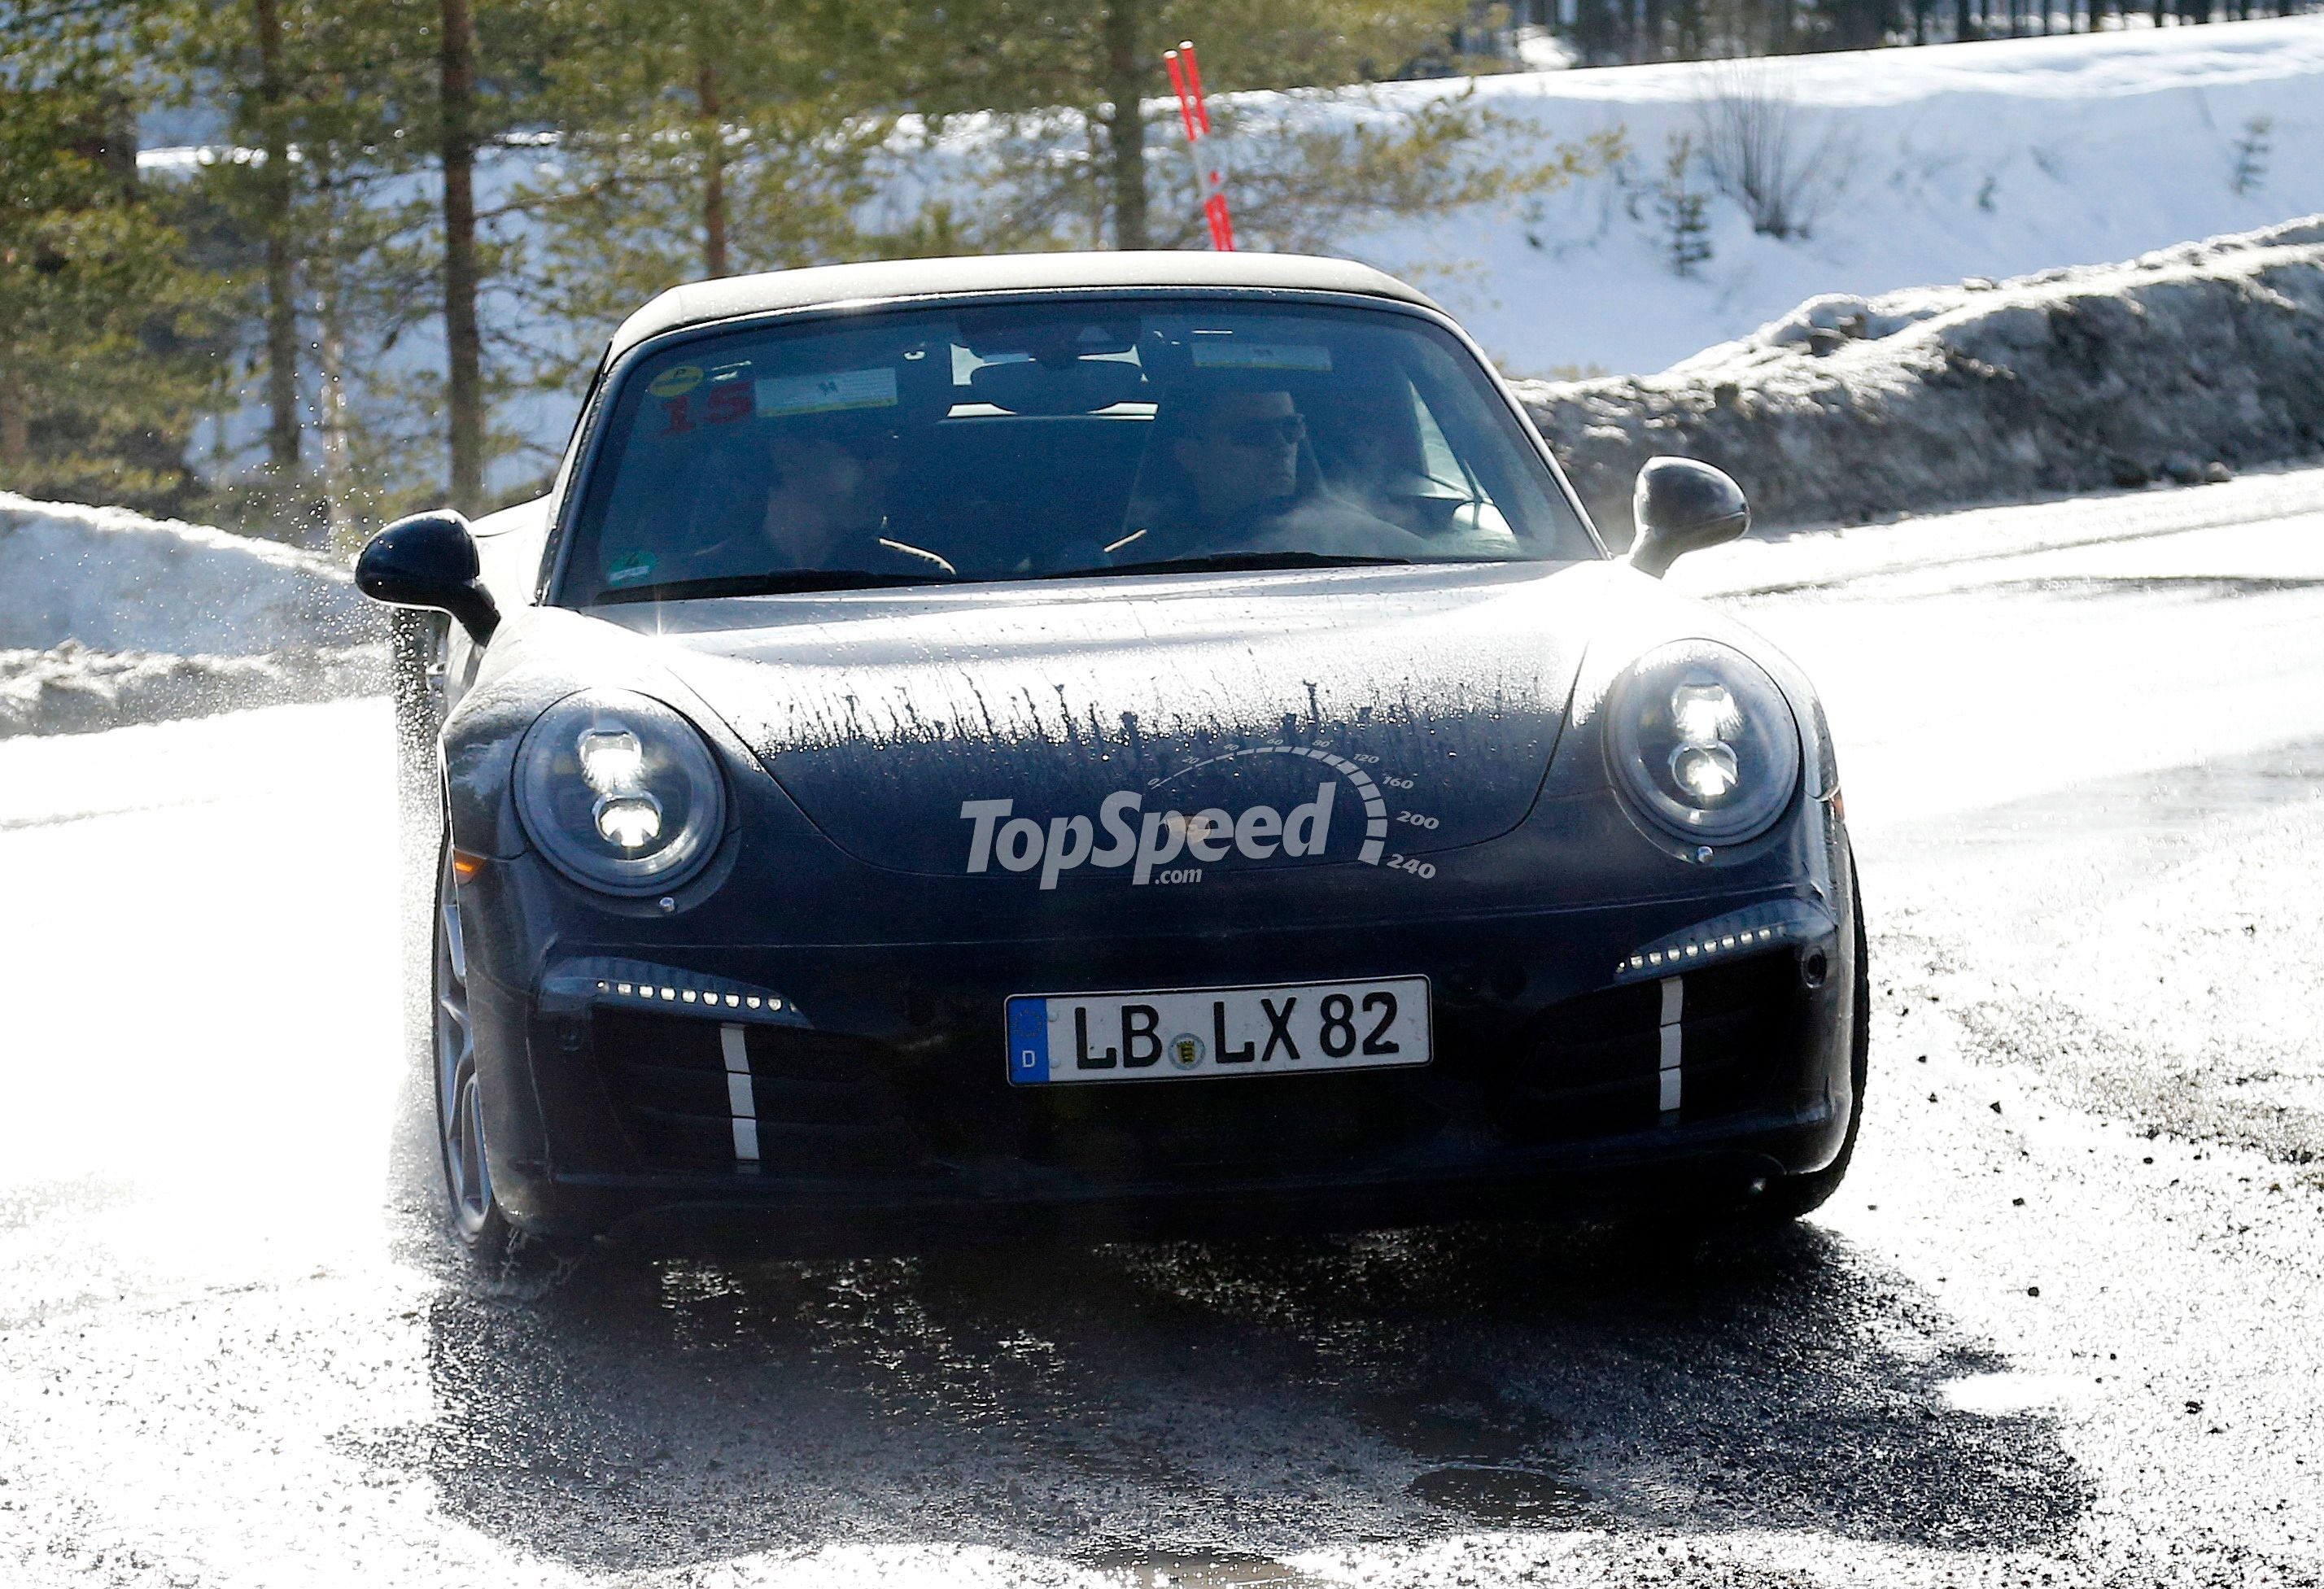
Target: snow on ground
(106,618)
(1933,165)
(1939,550)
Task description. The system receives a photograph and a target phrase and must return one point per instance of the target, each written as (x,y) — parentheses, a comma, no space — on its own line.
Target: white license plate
(1271,1031)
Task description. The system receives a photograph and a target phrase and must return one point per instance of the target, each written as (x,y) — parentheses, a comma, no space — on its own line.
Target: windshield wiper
(791,582)
(1230,561)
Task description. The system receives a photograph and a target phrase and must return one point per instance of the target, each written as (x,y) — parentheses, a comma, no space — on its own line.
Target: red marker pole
(1210,160)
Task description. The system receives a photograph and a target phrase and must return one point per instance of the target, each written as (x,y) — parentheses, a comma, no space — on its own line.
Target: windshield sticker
(786,395)
(1211,353)
(676,381)
(1125,834)
(632,564)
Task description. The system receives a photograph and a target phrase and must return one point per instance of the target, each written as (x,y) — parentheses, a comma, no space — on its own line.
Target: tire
(479,1226)
(446,1047)
(498,1251)
(1792,1196)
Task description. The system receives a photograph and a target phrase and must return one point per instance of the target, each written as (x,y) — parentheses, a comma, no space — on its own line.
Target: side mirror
(430,560)
(1681,506)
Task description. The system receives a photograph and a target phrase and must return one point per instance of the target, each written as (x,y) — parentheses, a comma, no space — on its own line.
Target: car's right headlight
(1702,742)
(620,791)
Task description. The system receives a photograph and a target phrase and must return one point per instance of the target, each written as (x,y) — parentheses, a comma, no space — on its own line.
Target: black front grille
(830,1103)
(1591,1065)
(823,1103)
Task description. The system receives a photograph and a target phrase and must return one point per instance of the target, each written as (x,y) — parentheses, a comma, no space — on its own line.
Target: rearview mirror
(430,560)
(1681,506)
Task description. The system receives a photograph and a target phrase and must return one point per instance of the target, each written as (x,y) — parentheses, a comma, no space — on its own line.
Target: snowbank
(108,617)
(2183,365)
(116,582)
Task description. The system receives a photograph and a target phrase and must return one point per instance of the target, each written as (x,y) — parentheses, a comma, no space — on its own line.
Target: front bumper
(882,1119)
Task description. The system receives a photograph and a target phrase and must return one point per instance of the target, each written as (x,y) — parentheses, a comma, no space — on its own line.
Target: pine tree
(107,338)
(331,104)
(692,140)
(1084,110)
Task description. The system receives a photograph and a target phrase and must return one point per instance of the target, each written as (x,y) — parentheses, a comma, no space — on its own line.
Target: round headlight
(1702,742)
(620,791)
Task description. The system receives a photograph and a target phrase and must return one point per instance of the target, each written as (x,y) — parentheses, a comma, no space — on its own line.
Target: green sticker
(634,564)
(782,396)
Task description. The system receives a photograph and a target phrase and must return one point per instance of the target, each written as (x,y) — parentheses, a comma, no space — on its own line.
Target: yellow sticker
(677,380)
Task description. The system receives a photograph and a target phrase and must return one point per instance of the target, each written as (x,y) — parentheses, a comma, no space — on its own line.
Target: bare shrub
(1761,149)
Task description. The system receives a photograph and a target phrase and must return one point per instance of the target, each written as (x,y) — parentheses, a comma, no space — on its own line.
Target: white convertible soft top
(700,302)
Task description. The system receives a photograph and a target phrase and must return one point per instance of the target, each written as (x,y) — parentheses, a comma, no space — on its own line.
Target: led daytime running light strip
(1679,954)
(1743,932)
(637,985)
(647,992)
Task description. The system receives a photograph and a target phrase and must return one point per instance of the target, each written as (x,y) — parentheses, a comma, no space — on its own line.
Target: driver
(826,505)
(1239,457)
(823,508)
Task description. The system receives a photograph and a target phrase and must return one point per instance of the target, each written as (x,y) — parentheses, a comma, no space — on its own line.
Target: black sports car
(1111,745)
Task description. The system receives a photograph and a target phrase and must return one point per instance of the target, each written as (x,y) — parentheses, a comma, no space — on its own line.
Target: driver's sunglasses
(1287,431)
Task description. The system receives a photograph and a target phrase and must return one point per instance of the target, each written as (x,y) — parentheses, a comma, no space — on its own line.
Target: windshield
(1068,437)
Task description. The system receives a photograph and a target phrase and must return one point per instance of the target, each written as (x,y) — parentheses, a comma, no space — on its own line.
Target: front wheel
(478,1223)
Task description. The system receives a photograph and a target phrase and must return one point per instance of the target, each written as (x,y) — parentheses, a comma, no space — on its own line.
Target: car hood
(1331,715)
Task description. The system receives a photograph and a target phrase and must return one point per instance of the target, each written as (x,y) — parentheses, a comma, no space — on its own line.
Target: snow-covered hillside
(1940,164)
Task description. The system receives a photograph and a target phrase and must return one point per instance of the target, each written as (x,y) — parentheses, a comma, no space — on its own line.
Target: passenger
(1246,482)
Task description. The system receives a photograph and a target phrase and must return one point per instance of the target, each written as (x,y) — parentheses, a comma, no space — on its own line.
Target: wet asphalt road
(2062,1326)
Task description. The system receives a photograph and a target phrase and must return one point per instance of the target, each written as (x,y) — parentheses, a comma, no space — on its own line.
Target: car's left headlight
(1702,742)
(620,791)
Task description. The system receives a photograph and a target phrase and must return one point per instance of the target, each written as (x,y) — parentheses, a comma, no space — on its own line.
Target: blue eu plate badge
(1028,1040)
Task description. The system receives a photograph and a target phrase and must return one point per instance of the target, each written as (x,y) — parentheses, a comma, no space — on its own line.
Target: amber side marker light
(466,865)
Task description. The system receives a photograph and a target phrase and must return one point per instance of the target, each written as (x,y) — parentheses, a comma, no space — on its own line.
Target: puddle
(1201,1569)
(1457,1419)
(1508,1495)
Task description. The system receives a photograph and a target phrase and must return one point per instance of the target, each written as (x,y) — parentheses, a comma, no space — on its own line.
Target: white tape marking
(739,1098)
(1673,1039)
